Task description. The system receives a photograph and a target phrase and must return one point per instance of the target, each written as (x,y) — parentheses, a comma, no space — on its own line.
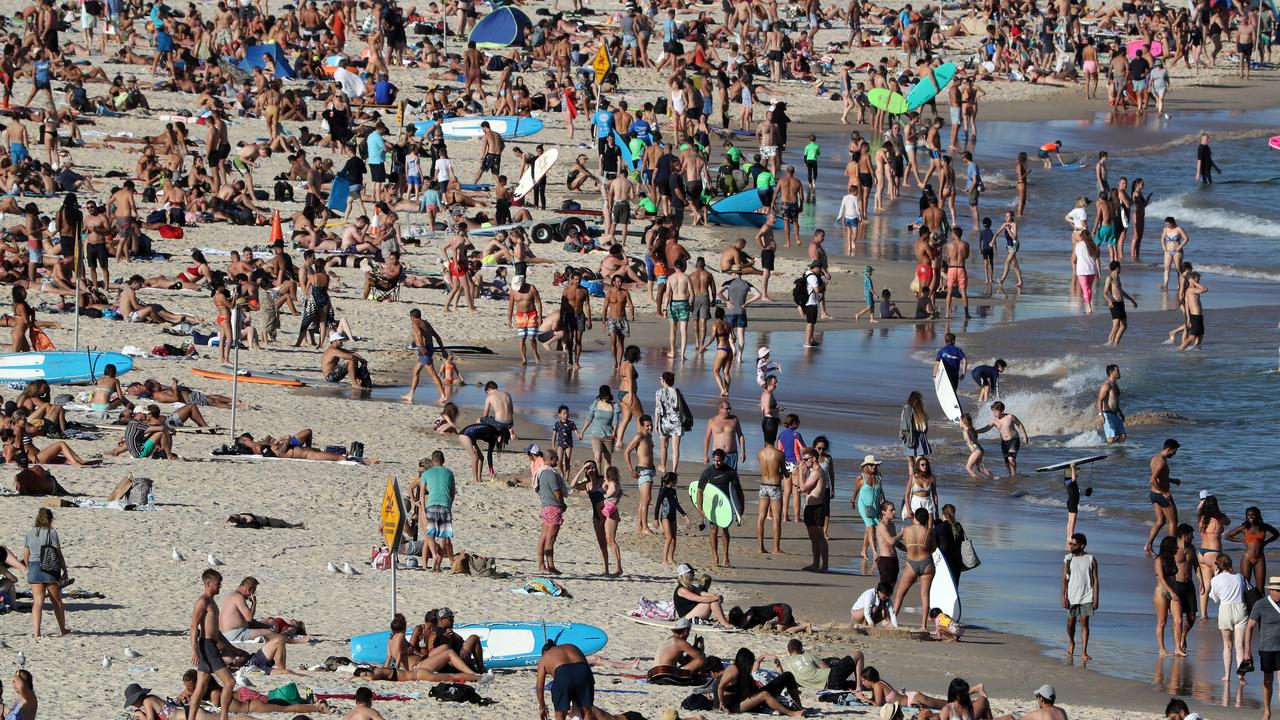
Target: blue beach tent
(501,28)
(255,57)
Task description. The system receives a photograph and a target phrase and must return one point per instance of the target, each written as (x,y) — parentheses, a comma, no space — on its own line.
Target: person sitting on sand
(155,438)
(136,312)
(20,448)
(735,256)
(692,600)
(737,692)
(364,707)
(1046,696)
(810,672)
(236,617)
(400,657)
(337,363)
(677,659)
(35,480)
(245,700)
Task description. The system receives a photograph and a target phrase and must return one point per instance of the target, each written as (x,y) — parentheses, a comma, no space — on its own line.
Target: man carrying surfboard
(725,479)
(951,360)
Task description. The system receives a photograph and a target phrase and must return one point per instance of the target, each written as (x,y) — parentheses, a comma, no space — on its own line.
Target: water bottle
(151,498)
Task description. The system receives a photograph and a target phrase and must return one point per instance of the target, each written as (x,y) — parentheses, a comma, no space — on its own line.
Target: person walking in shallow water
(1080,588)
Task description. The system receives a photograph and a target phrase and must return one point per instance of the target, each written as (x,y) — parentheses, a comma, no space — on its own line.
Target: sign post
(391,520)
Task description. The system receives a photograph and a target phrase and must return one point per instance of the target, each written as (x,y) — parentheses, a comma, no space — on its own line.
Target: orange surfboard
(249,378)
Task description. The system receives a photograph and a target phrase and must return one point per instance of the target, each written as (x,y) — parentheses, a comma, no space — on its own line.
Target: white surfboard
(535,173)
(947,397)
(1068,463)
(943,593)
(670,624)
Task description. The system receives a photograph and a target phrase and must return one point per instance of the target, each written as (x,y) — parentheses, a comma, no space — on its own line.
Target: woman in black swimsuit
(471,437)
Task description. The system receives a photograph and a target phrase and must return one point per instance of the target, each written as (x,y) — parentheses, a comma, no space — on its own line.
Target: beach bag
(968,556)
(170,232)
(50,556)
(42,343)
(283,191)
(286,695)
(133,491)
(458,692)
(686,416)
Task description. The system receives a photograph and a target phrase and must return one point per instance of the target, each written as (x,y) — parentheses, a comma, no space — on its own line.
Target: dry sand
(149,596)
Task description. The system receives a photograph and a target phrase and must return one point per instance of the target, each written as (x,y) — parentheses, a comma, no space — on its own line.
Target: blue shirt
(868,289)
(641,129)
(985,238)
(377,148)
(603,120)
(382,92)
(42,71)
(668,30)
(164,42)
(951,356)
(791,444)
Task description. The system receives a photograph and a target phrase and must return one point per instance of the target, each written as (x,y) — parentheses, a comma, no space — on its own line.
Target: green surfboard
(890,102)
(715,505)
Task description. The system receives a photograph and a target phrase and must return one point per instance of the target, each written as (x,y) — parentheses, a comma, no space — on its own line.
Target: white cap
(1206,494)
(336,336)
(762,352)
(683,623)
(684,569)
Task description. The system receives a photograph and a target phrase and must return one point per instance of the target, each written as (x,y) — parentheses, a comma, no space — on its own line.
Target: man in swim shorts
(206,639)
(956,253)
(1163,506)
(573,682)
(1109,412)
(525,304)
(1013,435)
(680,293)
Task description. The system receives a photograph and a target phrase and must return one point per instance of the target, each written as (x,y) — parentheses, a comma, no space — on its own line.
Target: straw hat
(869,460)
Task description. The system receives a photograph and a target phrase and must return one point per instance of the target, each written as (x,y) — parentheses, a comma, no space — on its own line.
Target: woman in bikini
(1165,596)
(1173,240)
(628,397)
(737,691)
(1212,523)
(610,517)
(722,336)
(917,539)
(35,400)
(24,321)
(256,702)
(879,692)
(1256,535)
(921,491)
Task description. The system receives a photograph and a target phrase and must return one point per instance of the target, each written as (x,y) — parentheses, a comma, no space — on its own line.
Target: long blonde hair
(44,519)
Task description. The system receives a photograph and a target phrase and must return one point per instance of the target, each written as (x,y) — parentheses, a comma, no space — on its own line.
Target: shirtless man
(1115,296)
(680,298)
(96,253)
(206,640)
(617,200)
(767,135)
(236,618)
(791,197)
(957,253)
(338,363)
(615,264)
(1013,435)
(498,410)
(136,311)
(472,65)
(1162,504)
(617,303)
(643,470)
(1110,416)
(724,432)
(887,543)
(1195,312)
(578,320)
(771,461)
(491,146)
(123,210)
(246,159)
(677,652)
(574,682)
(813,484)
(735,256)
(768,249)
(525,304)
(425,341)
(1045,697)
(703,298)
(219,148)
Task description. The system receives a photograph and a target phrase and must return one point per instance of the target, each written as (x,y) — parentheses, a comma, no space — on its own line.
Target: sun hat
(134,694)
(889,711)
(1273,583)
(336,336)
(762,352)
(869,460)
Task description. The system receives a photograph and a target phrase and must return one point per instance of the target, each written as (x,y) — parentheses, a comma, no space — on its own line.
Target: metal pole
(395,560)
(77,274)
(235,363)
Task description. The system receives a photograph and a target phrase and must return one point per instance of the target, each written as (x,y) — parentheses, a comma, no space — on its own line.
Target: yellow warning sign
(601,64)
(392,514)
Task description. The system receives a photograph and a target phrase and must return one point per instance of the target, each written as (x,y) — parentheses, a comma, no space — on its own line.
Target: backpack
(458,692)
(800,291)
(283,191)
(686,417)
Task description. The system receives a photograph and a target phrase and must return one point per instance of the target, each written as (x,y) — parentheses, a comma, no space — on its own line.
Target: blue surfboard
(62,366)
(924,91)
(506,644)
(625,151)
(467,128)
(747,201)
(742,219)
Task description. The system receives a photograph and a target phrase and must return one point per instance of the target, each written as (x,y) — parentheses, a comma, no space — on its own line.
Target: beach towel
(542,586)
(654,609)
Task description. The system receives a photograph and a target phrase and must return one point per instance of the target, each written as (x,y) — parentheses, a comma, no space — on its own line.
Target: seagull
(348,570)
(214,562)
(487,678)
(177,555)
(331,568)
(21,659)
(131,653)
(242,679)
(106,661)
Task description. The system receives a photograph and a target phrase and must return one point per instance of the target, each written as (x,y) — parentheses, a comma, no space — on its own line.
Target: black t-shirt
(664,165)
(1204,154)
(609,159)
(722,477)
(1138,68)
(354,170)
(985,375)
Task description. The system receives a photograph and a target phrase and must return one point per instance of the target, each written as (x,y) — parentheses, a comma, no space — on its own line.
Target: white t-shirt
(815,292)
(1227,588)
(849,209)
(1085,263)
(444,167)
(870,600)
(1078,218)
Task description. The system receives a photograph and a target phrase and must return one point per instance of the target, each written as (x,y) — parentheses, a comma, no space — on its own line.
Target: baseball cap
(445,612)
(684,569)
(683,623)
(533,449)
(1206,494)
(336,337)
(1047,692)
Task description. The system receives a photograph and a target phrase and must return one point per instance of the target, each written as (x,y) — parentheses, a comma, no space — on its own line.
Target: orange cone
(277,232)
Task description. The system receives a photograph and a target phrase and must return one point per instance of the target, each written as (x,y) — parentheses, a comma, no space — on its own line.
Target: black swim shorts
(573,685)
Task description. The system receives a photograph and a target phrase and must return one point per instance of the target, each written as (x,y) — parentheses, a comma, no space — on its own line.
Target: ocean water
(1221,403)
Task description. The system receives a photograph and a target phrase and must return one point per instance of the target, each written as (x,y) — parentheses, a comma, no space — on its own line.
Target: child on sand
(665,507)
(888,308)
(974,465)
(450,375)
